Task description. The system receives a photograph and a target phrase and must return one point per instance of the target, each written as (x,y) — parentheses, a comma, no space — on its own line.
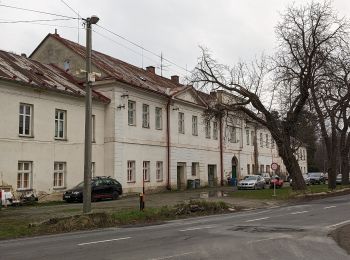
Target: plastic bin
(190,184)
(197,183)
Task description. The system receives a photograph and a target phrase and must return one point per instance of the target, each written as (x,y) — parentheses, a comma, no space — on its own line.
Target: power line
(141,47)
(32,21)
(77,13)
(36,11)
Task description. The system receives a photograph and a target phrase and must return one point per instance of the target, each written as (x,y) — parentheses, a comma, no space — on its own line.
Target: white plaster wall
(43,150)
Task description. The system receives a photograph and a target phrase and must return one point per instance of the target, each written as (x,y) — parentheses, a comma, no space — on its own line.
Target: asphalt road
(291,232)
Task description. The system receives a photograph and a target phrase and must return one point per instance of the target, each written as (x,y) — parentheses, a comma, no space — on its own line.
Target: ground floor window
(159,171)
(59,174)
(24,175)
(131,171)
(248,169)
(146,170)
(195,168)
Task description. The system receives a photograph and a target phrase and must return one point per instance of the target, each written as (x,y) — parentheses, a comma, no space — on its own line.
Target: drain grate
(260,229)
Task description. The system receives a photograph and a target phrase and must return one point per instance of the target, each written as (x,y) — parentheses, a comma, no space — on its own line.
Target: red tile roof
(35,74)
(123,71)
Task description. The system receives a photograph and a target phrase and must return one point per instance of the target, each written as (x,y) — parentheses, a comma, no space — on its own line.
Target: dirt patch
(258,229)
(342,237)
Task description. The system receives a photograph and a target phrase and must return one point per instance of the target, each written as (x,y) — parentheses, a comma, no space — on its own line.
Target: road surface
(290,232)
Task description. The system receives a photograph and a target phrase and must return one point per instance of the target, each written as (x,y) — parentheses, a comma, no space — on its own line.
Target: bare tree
(307,36)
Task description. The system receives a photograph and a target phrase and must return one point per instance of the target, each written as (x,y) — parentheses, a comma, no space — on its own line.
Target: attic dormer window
(66,65)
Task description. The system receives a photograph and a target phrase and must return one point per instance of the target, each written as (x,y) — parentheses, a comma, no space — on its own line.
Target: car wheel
(254,187)
(115,195)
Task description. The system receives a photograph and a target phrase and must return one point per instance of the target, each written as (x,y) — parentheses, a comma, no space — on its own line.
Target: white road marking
(329,207)
(196,228)
(257,219)
(103,241)
(339,224)
(172,256)
(299,212)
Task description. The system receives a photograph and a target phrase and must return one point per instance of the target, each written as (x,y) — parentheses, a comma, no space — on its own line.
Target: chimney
(175,79)
(23,55)
(151,69)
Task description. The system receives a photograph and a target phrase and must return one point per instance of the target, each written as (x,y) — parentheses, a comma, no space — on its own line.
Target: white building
(144,125)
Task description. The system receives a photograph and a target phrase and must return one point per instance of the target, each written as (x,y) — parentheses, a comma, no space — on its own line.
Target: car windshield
(305,176)
(314,174)
(249,178)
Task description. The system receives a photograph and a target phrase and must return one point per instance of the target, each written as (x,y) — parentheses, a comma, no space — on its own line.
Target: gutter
(221,155)
(168,186)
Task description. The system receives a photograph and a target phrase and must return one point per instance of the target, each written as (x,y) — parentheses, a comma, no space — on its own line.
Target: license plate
(67,197)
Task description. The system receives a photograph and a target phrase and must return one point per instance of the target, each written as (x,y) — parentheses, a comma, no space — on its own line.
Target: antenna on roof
(162,66)
(77,13)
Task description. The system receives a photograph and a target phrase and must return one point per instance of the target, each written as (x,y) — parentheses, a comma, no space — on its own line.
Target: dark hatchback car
(101,188)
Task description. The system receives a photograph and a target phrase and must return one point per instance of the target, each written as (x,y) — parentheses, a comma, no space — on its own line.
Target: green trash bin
(190,184)
(197,183)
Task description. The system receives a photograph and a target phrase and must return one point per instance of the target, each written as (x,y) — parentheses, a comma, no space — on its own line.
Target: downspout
(168,186)
(221,154)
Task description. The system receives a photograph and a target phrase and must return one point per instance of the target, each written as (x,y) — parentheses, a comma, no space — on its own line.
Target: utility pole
(88,117)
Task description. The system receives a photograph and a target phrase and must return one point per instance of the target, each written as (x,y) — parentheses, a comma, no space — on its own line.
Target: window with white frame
(194,125)
(93,169)
(215,130)
(60,124)
(159,118)
(247,136)
(145,116)
(24,175)
(146,170)
(207,129)
(232,134)
(181,123)
(248,169)
(131,112)
(252,137)
(131,171)
(261,140)
(93,125)
(195,168)
(267,141)
(159,171)
(59,172)
(25,119)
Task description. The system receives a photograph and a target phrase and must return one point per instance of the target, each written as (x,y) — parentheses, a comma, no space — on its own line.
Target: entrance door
(211,175)
(234,168)
(181,176)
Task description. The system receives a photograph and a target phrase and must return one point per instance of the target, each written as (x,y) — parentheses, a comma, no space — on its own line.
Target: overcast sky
(232,29)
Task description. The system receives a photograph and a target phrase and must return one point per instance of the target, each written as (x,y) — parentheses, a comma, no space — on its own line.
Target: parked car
(101,188)
(339,178)
(266,176)
(316,178)
(306,179)
(276,181)
(252,182)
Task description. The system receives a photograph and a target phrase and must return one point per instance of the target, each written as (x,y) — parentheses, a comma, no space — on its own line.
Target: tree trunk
(345,167)
(332,148)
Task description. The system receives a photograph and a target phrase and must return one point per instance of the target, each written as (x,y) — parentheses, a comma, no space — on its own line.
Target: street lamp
(88,117)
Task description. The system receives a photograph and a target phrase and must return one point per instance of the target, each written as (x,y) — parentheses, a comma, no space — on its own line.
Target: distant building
(145,126)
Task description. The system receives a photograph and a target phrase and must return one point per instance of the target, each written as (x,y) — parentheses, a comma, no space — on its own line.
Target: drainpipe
(221,154)
(168,186)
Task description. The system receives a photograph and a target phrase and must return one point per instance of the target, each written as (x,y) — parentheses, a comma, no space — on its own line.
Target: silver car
(252,182)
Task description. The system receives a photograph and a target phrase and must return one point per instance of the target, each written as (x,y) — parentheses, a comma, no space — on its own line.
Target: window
(181,123)
(145,116)
(261,168)
(59,172)
(248,169)
(232,134)
(267,141)
(93,169)
(159,171)
(93,127)
(195,168)
(131,112)
(24,175)
(248,138)
(215,130)
(159,119)
(253,170)
(146,170)
(60,124)
(268,168)
(207,129)
(131,171)
(252,137)
(25,119)
(261,140)
(194,125)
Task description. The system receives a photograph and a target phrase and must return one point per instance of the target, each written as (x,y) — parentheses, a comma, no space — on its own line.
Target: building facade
(149,131)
